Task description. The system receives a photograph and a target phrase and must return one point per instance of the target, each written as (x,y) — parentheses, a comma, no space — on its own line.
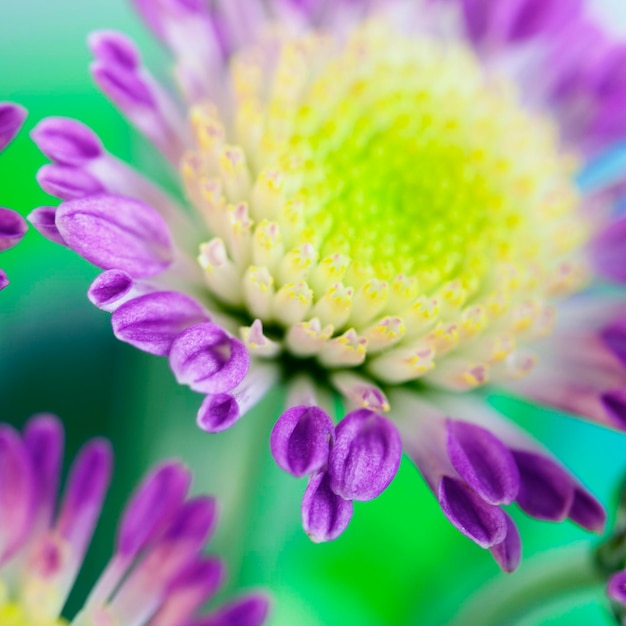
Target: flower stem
(568,573)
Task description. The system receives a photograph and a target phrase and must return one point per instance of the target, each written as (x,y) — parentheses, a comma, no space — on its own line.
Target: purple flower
(12,224)
(382,207)
(157,574)
(616,589)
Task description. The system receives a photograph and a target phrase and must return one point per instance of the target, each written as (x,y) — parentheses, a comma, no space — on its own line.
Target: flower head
(157,575)
(383,203)
(12,225)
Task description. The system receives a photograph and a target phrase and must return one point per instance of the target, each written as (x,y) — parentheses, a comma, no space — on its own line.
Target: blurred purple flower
(157,574)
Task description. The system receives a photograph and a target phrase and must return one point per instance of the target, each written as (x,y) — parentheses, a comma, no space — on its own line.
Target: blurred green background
(399,563)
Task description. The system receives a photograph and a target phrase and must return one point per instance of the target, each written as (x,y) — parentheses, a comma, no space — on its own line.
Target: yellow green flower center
(386,202)
(12,614)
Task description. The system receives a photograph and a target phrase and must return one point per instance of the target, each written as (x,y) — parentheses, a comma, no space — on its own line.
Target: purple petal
(483,523)
(587,512)
(535,17)
(4,281)
(113,288)
(614,336)
(301,440)
(114,48)
(12,228)
(508,553)
(169,537)
(195,521)
(68,183)
(206,574)
(189,590)
(152,507)
(114,232)
(546,490)
(84,494)
(43,438)
(616,589)
(218,412)
(44,221)
(146,104)
(109,287)
(365,457)
(207,359)
(150,11)
(12,117)
(169,553)
(609,251)
(476,14)
(152,321)
(123,86)
(17,492)
(250,610)
(483,462)
(67,141)
(325,515)
(614,403)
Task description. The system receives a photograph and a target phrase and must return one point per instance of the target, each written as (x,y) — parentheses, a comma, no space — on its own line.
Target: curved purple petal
(114,48)
(301,440)
(153,506)
(205,575)
(152,321)
(251,610)
(4,281)
(17,492)
(616,589)
(482,522)
(516,20)
(614,403)
(67,141)
(189,590)
(12,117)
(114,232)
(207,359)
(508,553)
(151,12)
(43,439)
(587,512)
(218,412)
(614,337)
(123,86)
(365,457)
(609,251)
(482,461)
(68,183)
(546,490)
(44,221)
(325,515)
(12,228)
(530,18)
(109,287)
(195,520)
(476,14)
(84,494)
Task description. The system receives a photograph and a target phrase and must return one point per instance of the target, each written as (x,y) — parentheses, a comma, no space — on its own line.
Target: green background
(399,563)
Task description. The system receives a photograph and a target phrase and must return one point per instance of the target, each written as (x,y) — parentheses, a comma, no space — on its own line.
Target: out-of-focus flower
(610,560)
(12,224)
(616,588)
(157,575)
(384,207)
